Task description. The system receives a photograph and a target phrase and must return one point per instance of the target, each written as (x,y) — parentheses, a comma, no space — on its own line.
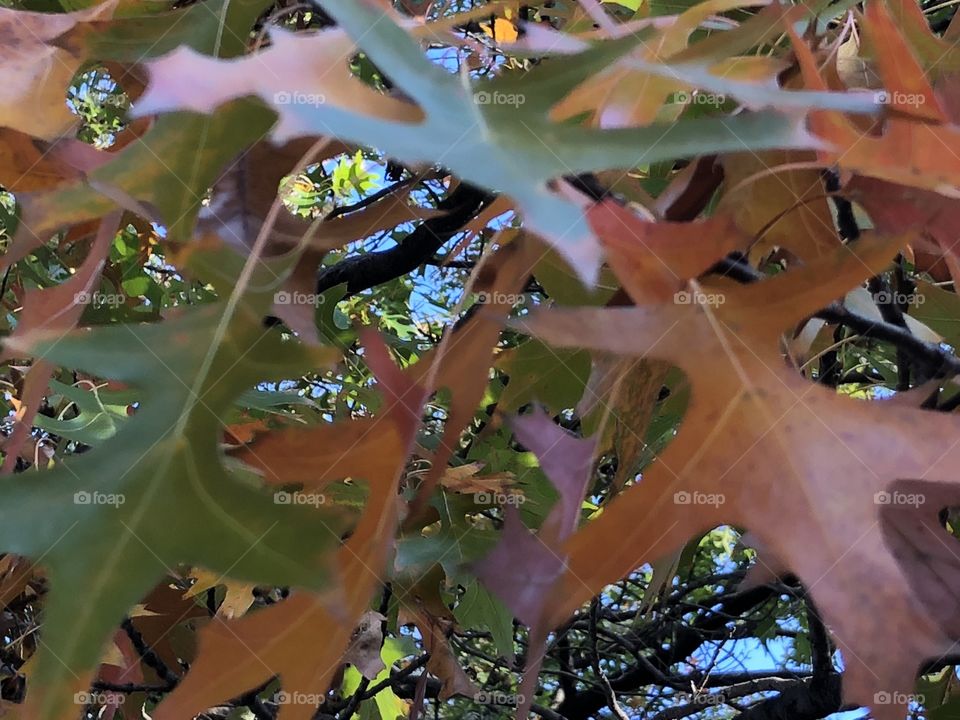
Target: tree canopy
(373,359)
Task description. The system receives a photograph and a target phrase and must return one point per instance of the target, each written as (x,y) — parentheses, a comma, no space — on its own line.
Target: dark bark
(371,269)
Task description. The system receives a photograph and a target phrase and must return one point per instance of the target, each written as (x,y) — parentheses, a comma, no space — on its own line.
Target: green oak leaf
(164,170)
(478,608)
(555,379)
(386,703)
(495,134)
(146,35)
(938,308)
(99,413)
(456,544)
(110,523)
(170,169)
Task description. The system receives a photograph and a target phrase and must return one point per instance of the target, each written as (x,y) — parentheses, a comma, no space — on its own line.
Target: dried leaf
(758,439)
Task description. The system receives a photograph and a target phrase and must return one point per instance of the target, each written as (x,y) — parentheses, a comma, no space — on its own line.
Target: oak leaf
(504,121)
(117,518)
(53,310)
(37,72)
(523,567)
(910,148)
(283,638)
(854,515)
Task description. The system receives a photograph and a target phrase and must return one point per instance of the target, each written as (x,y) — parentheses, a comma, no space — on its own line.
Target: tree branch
(369,270)
(939,361)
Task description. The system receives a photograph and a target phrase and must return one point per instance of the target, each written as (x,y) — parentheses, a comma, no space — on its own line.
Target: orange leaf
(853,514)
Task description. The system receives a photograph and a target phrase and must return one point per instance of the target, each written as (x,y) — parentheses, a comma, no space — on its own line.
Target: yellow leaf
(502,30)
